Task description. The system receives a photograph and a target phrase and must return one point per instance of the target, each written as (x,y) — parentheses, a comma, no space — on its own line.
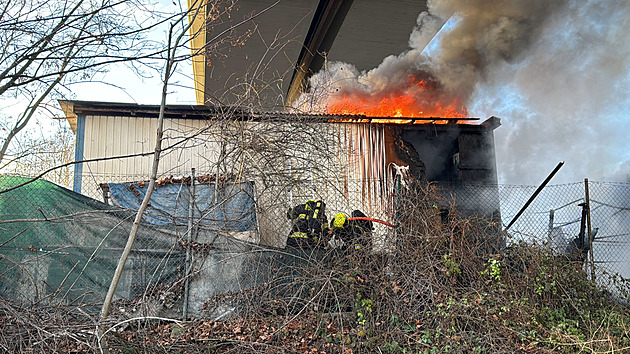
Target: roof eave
(73,109)
(68,109)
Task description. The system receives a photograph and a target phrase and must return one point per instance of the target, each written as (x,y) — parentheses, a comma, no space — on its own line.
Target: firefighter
(355,234)
(309,224)
(340,228)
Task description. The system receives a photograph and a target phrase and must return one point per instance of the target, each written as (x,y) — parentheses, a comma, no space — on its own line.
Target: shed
(345,160)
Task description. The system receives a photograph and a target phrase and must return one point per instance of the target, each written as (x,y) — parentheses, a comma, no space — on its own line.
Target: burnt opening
(450,154)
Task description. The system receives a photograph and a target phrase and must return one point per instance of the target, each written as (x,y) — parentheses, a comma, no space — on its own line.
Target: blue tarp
(233,210)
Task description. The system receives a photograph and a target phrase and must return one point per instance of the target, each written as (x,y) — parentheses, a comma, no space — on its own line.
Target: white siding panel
(105,144)
(98,146)
(110,142)
(195,153)
(97,149)
(101,166)
(125,146)
(125,135)
(121,145)
(139,142)
(170,157)
(117,136)
(149,129)
(117,150)
(188,154)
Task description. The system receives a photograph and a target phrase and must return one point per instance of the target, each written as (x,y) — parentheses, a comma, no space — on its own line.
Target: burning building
(338,131)
(251,167)
(346,160)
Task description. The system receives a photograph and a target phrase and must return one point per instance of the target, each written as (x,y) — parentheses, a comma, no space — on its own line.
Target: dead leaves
(297,336)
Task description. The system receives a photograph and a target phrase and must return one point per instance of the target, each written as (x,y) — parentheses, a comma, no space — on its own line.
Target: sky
(122,84)
(116,83)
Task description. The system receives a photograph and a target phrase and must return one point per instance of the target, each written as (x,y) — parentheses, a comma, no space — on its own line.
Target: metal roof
(73,109)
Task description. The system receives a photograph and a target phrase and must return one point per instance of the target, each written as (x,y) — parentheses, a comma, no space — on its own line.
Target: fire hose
(372,219)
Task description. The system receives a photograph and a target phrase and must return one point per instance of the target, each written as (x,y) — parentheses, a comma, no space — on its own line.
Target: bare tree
(46,45)
(176,41)
(170,63)
(43,151)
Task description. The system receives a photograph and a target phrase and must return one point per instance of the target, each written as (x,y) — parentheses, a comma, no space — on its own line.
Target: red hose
(371,219)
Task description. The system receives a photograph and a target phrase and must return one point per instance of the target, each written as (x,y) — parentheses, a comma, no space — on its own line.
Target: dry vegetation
(440,289)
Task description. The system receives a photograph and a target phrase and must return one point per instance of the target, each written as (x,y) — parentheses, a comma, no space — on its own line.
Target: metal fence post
(550,231)
(589,229)
(191,207)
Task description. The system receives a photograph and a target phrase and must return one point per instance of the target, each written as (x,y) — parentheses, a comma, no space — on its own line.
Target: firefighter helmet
(339,220)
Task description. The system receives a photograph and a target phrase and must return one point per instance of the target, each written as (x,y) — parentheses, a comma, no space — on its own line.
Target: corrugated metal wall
(116,136)
(365,144)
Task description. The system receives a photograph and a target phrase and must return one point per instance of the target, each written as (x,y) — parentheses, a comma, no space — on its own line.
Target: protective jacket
(355,234)
(309,224)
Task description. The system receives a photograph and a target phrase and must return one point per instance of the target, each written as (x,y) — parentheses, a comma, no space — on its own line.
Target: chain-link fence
(205,236)
(555,218)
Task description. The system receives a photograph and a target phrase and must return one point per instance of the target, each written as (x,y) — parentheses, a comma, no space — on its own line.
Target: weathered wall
(345,165)
(107,136)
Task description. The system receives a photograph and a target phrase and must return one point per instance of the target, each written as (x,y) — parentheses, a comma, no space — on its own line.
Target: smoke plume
(568,99)
(485,33)
(556,72)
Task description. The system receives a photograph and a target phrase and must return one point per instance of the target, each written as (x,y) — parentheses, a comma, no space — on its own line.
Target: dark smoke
(485,34)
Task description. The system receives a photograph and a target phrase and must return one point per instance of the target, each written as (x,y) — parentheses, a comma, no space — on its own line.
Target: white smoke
(569,99)
(556,72)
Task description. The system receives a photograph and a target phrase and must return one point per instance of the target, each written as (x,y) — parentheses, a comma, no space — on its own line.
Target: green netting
(61,247)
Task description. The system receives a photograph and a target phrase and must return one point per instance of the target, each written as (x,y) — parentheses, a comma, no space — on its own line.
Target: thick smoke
(556,72)
(486,32)
(568,99)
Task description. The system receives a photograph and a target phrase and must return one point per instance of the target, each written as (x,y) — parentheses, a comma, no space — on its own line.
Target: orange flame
(419,99)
